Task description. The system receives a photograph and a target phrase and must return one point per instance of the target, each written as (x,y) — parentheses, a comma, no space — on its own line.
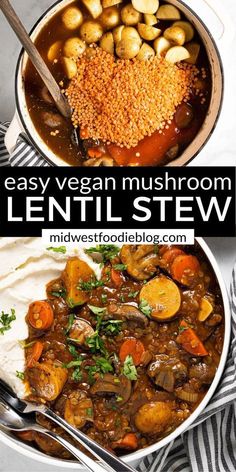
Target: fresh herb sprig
(6,319)
(145,308)
(129,369)
(107,251)
(90,284)
(60,249)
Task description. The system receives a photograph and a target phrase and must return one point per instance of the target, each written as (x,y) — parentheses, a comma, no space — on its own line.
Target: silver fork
(105,456)
(13,421)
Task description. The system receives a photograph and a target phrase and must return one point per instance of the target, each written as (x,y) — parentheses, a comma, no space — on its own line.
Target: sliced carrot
(26,435)
(129,441)
(134,348)
(40,315)
(170,255)
(117,278)
(35,354)
(190,341)
(94,153)
(182,266)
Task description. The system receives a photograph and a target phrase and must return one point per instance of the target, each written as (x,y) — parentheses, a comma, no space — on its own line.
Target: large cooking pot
(206,8)
(133,458)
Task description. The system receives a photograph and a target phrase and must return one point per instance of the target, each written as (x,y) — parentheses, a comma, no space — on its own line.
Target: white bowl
(132,459)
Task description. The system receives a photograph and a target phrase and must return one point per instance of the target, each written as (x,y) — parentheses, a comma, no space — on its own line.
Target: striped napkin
(210,444)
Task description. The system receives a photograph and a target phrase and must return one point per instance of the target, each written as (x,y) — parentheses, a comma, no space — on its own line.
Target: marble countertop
(221,150)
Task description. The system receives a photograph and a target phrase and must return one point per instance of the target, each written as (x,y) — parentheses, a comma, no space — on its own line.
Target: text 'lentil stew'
(128,357)
(136,76)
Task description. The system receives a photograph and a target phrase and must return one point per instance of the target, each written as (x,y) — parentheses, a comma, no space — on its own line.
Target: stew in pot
(128,357)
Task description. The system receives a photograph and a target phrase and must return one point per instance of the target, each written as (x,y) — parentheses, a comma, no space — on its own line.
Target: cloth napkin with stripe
(210,444)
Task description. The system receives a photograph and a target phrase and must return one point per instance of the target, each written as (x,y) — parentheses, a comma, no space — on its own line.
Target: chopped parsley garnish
(92,370)
(6,320)
(97,310)
(73,351)
(95,343)
(76,364)
(104,298)
(111,326)
(133,294)
(70,322)
(60,249)
(120,267)
(60,293)
(107,251)
(103,365)
(20,375)
(119,399)
(90,284)
(89,412)
(145,308)
(129,369)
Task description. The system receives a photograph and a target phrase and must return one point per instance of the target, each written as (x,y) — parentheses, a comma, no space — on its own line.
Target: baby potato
(188,29)
(110,17)
(161,46)
(163,296)
(177,54)
(127,49)
(149,33)
(194,50)
(70,67)
(153,417)
(146,52)
(168,12)
(175,34)
(91,31)
(74,47)
(94,7)
(117,32)
(54,51)
(110,3)
(150,20)
(107,43)
(131,34)
(130,16)
(146,6)
(72,18)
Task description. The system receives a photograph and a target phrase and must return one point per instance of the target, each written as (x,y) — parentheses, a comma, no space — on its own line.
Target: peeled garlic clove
(168,12)
(54,51)
(149,33)
(94,7)
(107,43)
(146,52)
(110,3)
(175,34)
(177,54)
(150,20)
(146,6)
(194,50)
(70,67)
(117,32)
(161,46)
(188,29)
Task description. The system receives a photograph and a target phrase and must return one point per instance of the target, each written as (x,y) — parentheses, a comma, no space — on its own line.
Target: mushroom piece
(78,409)
(125,311)
(80,331)
(109,384)
(166,371)
(141,261)
(53,120)
(104,161)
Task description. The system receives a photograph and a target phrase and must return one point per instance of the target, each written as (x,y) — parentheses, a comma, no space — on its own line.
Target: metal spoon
(35,57)
(13,421)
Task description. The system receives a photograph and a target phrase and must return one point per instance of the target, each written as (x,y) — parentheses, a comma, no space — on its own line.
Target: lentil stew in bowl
(136,75)
(129,356)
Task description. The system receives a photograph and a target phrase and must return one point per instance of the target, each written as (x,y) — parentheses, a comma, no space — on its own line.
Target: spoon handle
(105,456)
(89,463)
(35,58)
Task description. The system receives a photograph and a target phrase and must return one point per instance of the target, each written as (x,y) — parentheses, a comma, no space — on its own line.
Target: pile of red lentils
(122,101)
